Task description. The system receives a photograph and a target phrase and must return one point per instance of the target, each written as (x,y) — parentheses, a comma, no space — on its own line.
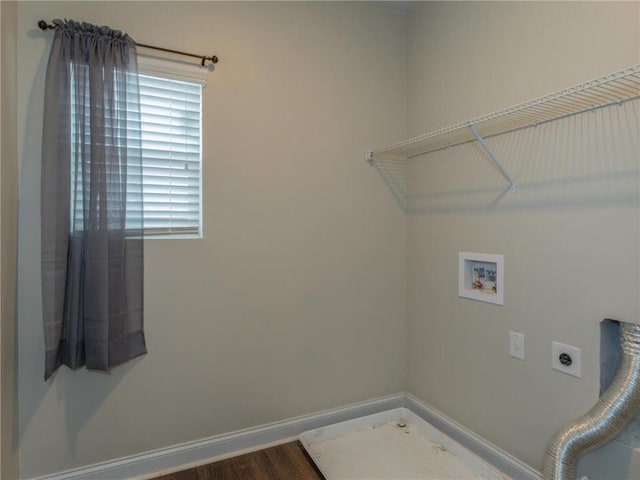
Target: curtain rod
(213,59)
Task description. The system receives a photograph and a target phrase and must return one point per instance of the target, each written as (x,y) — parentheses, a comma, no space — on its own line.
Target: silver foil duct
(617,406)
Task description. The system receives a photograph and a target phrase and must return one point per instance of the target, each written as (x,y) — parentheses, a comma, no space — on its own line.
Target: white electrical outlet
(516,345)
(566,359)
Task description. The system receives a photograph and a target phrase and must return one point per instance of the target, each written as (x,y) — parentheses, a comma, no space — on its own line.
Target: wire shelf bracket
(492,157)
(615,88)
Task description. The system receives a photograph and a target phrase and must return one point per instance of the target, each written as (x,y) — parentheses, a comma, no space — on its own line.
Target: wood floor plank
(288,461)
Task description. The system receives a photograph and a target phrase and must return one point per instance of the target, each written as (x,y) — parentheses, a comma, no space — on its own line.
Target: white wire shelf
(615,88)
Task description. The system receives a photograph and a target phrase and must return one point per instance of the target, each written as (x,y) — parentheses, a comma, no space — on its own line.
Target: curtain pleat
(92,259)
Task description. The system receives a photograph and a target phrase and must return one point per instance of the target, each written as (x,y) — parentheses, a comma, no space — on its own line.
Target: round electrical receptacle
(565,359)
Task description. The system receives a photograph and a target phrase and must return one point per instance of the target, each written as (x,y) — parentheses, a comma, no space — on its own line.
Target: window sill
(174,236)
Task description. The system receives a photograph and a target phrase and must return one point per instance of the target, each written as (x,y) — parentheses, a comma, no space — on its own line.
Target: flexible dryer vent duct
(617,406)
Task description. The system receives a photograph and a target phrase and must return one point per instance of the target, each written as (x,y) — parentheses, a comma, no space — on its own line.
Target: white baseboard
(191,454)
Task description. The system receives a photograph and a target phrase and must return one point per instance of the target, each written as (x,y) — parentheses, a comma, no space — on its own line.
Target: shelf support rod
(512,186)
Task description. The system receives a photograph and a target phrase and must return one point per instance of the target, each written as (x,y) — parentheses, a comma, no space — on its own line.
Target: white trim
(201,452)
(172,68)
(187,455)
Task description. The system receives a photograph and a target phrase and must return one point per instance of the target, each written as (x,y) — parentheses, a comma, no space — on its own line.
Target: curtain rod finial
(44,25)
(213,59)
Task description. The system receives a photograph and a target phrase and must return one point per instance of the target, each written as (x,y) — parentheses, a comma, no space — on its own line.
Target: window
(170,142)
(170,117)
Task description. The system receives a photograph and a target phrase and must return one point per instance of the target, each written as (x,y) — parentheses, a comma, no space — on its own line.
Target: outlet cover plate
(516,345)
(574,353)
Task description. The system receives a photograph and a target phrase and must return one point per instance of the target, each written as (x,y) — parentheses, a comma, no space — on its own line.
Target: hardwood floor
(283,462)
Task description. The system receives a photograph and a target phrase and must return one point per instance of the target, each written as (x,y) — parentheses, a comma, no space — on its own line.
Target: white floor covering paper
(392,445)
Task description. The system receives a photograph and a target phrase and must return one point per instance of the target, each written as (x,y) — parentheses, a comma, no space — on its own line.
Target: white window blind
(170,142)
(171,154)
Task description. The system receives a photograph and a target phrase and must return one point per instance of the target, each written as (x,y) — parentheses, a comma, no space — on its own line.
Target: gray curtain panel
(91,200)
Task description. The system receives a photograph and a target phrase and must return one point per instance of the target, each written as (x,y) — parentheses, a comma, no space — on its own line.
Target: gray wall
(8,237)
(569,234)
(295,299)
